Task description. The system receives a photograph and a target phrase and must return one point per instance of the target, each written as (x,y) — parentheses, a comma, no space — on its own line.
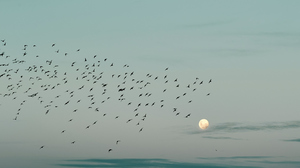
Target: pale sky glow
(250,50)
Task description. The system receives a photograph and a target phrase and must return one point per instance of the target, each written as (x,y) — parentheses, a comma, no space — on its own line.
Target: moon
(203,124)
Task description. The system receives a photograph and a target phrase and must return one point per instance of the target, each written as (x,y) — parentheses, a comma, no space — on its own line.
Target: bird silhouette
(89,84)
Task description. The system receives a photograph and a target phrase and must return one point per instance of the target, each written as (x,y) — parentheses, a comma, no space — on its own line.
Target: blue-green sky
(250,50)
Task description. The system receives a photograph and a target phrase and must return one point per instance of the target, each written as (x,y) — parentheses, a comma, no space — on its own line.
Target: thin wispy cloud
(220,137)
(290,164)
(231,127)
(276,34)
(208,24)
(234,52)
(235,157)
(143,163)
(292,140)
(263,161)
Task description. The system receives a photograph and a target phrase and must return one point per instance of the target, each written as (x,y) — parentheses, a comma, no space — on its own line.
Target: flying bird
(91,86)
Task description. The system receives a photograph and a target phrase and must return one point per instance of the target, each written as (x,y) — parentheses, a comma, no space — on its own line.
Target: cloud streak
(231,127)
(220,137)
(143,163)
(234,157)
(292,140)
(206,162)
(208,24)
(260,161)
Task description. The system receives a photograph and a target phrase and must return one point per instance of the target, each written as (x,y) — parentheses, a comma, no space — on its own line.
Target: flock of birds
(86,82)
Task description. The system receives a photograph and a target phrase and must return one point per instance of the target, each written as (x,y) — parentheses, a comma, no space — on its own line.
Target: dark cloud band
(239,127)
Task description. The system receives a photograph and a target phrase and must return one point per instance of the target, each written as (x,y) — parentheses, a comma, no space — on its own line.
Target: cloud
(220,137)
(287,163)
(206,162)
(277,34)
(292,140)
(240,127)
(208,24)
(235,157)
(143,163)
(263,161)
(234,52)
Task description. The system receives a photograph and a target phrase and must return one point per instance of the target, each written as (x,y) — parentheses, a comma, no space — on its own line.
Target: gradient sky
(250,49)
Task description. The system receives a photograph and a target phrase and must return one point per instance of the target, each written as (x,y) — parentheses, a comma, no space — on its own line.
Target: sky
(250,50)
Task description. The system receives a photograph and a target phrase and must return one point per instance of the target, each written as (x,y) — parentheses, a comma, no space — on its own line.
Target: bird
(47,111)
(188,115)
(82,83)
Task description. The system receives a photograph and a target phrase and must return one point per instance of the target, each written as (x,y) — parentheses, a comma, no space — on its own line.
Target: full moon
(203,124)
